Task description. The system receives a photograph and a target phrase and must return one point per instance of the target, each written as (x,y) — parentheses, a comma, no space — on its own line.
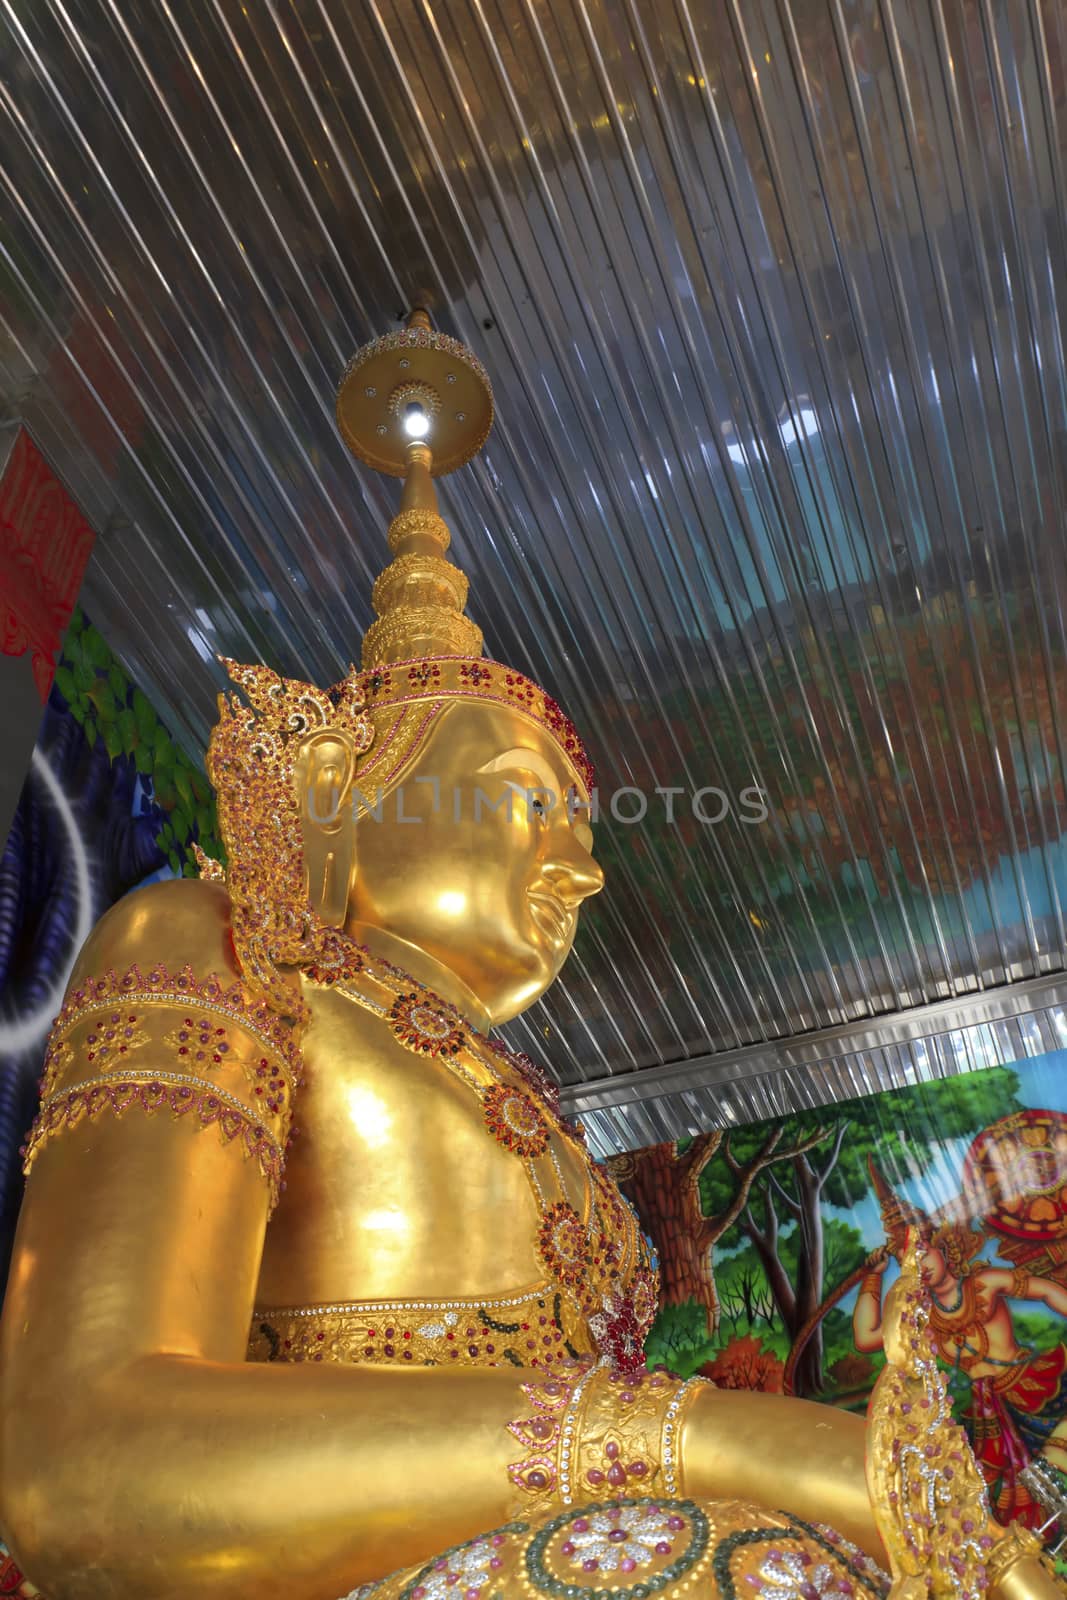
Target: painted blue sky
(1042,1086)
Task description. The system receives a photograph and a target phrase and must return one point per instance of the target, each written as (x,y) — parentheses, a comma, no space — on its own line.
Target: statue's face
(468,868)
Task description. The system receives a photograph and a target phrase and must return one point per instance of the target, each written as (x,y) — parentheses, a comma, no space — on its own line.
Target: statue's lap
(637,1548)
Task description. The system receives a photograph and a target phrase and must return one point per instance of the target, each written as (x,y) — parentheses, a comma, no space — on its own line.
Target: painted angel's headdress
(420,655)
(954,1235)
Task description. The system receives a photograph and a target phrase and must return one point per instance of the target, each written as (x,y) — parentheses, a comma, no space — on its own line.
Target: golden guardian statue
(313,1286)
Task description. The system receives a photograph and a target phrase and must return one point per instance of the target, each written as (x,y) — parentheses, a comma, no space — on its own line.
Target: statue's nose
(573,874)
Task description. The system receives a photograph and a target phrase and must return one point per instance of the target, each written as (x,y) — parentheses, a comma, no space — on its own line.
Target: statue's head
(445,801)
(482,854)
(433,794)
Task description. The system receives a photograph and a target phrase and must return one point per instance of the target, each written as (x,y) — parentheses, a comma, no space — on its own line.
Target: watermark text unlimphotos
(708,805)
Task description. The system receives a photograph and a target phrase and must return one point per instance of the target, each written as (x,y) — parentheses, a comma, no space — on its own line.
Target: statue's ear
(325,770)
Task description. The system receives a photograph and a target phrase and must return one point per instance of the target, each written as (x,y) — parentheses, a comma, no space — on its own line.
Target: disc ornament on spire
(415,366)
(417,404)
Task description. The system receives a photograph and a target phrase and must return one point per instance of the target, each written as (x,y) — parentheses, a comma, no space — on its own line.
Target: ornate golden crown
(954,1235)
(419,655)
(422,651)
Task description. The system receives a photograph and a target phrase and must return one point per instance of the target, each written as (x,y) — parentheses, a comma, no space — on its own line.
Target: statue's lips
(551,916)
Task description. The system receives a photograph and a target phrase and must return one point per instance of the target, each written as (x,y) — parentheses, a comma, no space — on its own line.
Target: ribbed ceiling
(772,298)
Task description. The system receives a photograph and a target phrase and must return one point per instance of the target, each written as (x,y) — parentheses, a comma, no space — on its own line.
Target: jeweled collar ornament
(421,654)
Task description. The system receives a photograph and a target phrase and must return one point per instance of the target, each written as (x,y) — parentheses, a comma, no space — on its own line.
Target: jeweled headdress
(953,1234)
(421,654)
(251,761)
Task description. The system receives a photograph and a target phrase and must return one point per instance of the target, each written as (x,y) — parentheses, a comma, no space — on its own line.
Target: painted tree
(768,1184)
(824,1161)
(748,1304)
(665,1184)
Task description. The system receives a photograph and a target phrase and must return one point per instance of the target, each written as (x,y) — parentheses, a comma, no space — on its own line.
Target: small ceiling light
(416,422)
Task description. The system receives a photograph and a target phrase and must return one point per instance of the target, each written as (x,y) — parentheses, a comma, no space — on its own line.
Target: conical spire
(417,404)
(898,1214)
(420,597)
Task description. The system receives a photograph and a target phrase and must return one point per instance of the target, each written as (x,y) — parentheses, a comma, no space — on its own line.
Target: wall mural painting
(778,1242)
(109,803)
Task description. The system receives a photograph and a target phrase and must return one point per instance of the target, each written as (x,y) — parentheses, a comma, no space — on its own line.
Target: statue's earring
(325,771)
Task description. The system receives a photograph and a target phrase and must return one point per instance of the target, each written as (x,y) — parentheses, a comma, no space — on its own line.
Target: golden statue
(312,1283)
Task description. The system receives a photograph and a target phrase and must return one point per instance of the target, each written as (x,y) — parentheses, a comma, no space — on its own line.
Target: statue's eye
(538,802)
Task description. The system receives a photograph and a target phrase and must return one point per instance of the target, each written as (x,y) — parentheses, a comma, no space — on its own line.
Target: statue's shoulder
(178,922)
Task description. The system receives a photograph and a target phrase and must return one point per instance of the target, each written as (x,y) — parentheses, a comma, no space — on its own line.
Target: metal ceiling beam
(994,1028)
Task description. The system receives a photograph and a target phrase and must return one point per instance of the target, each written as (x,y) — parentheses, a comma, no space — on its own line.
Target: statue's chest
(414,1171)
(431,1173)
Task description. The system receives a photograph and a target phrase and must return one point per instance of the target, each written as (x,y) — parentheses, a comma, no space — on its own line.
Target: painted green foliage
(778,1264)
(110,709)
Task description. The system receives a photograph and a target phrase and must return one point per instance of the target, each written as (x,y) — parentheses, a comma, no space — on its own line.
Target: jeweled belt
(534,1328)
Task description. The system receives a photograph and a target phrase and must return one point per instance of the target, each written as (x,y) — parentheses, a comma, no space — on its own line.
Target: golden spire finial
(397,395)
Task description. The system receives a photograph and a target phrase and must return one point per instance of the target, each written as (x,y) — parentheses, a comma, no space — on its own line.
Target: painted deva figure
(1014,1393)
(214,1384)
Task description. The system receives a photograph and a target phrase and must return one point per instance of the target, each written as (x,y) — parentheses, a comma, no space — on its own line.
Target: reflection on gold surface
(371,1117)
(390,1220)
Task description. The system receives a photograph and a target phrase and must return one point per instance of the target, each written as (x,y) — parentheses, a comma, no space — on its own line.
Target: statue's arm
(783,1454)
(141,1456)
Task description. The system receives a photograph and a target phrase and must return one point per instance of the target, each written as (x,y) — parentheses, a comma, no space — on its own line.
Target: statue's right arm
(142,1456)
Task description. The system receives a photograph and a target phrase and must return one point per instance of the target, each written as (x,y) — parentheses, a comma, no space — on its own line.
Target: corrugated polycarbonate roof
(771,294)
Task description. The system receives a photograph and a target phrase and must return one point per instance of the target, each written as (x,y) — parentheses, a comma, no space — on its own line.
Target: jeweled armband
(594,1433)
(199,1048)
